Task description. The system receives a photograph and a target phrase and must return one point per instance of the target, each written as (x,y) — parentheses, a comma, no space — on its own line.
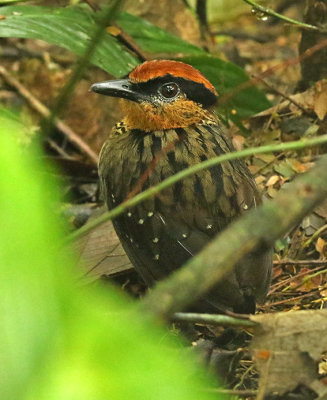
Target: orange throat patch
(179,114)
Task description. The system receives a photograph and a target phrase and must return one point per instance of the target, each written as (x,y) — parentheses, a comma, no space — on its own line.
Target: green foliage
(72,28)
(227,77)
(69,27)
(29,285)
(58,341)
(17,125)
(153,39)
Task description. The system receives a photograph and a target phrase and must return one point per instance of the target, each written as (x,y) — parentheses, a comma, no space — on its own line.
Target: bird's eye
(169,90)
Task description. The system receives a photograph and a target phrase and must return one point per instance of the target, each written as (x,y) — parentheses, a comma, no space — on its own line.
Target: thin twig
(300,262)
(95,7)
(201,11)
(314,236)
(283,95)
(128,41)
(292,299)
(212,319)
(269,163)
(58,149)
(233,392)
(280,284)
(82,63)
(152,191)
(308,277)
(270,71)
(272,13)
(45,113)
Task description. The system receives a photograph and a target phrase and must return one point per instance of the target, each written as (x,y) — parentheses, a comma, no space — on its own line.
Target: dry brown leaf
(294,343)
(320,103)
(238,142)
(298,166)
(259,179)
(302,285)
(322,209)
(281,41)
(113,30)
(254,169)
(267,158)
(272,192)
(100,252)
(277,272)
(305,99)
(320,244)
(272,180)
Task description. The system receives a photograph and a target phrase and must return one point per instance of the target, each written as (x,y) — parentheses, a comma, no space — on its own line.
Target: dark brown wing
(161,234)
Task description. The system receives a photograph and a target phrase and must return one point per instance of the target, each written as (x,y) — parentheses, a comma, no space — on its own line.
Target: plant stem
(152,191)
(213,319)
(269,11)
(260,227)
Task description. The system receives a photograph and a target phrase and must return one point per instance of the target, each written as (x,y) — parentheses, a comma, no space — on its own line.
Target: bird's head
(162,94)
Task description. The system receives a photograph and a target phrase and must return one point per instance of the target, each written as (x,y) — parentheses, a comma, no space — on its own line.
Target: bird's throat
(180,114)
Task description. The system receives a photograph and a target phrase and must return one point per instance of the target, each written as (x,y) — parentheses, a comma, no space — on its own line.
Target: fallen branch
(212,319)
(300,262)
(234,392)
(45,113)
(261,226)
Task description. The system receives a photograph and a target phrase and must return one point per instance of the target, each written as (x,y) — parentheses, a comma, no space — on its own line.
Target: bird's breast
(133,161)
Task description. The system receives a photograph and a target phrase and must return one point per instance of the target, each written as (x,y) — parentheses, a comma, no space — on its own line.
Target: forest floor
(300,269)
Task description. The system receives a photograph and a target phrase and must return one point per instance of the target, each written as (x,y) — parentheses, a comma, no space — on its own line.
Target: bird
(170,124)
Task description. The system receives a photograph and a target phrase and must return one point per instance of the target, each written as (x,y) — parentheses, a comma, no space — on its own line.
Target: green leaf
(155,40)
(227,78)
(72,28)
(69,27)
(19,126)
(59,341)
(29,283)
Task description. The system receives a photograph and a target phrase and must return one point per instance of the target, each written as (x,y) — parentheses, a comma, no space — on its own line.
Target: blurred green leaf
(69,27)
(29,283)
(72,28)
(17,125)
(61,342)
(153,39)
(227,77)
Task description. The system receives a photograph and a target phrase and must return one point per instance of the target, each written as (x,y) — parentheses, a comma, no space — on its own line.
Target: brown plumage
(169,118)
